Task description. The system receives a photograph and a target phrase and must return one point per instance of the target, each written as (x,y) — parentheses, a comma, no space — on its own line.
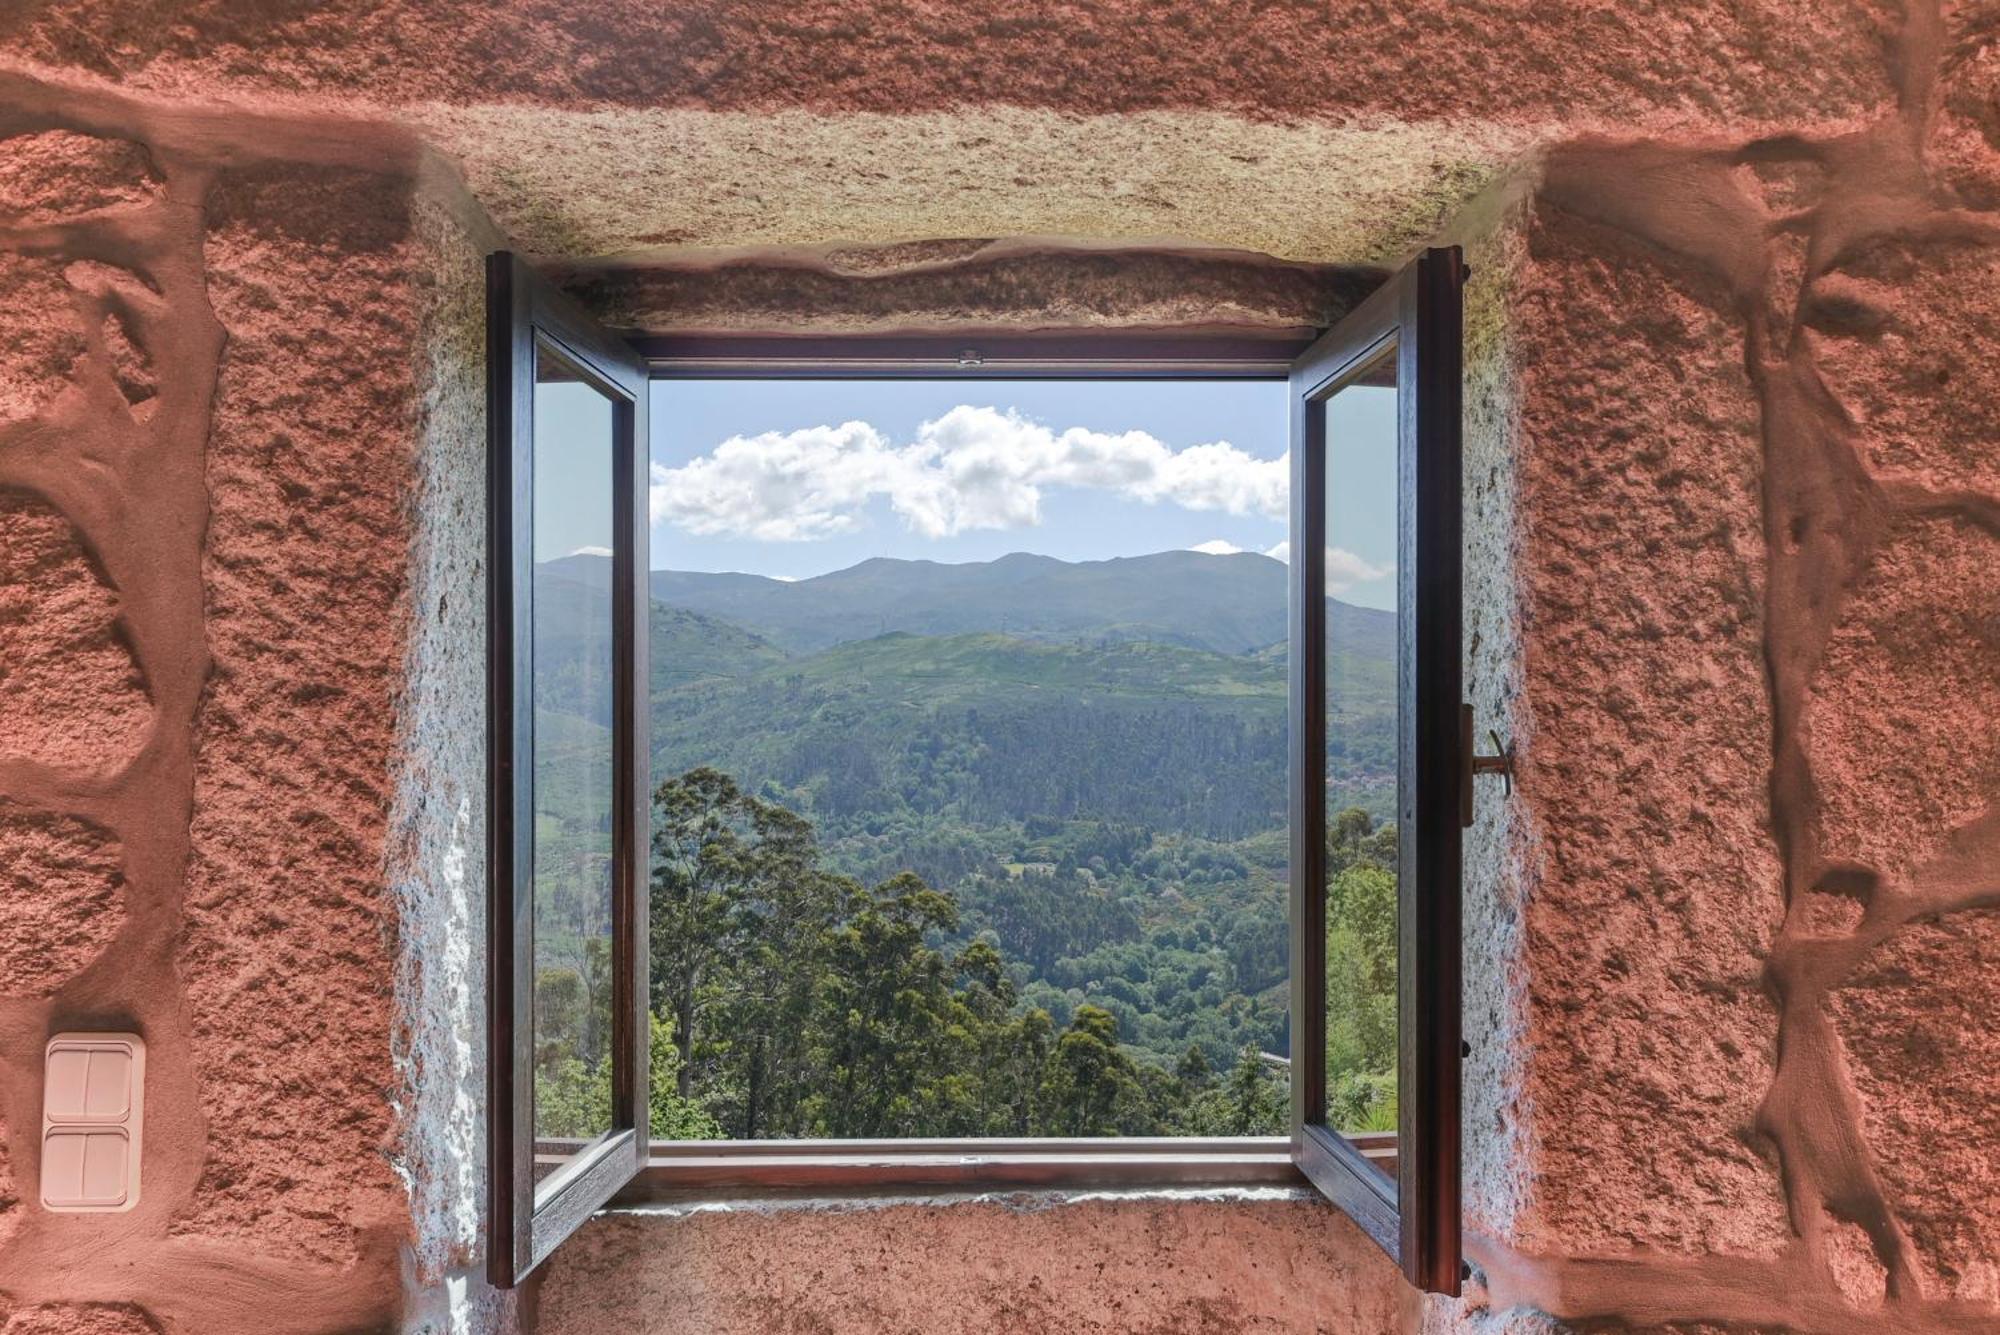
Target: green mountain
(1002,721)
(1228,604)
(1088,757)
(990,727)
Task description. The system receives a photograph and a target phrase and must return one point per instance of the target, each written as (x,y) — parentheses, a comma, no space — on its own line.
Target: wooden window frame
(1415,1216)
(696,1171)
(700,1170)
(525,314)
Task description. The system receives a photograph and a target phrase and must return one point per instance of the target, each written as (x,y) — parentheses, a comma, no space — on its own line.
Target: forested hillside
(1048,797)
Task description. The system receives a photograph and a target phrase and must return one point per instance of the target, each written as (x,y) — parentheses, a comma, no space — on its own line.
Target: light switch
(93,1100)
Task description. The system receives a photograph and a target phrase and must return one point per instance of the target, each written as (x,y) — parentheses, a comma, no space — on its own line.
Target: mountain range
(1231,604)
(1148,689)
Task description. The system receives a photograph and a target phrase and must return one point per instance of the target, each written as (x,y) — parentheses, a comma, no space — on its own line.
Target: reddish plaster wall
(1762,756)
(1568,60)
(200,515)
(1737,491)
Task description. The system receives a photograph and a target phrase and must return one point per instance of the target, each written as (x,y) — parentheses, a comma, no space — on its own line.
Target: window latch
(1501,762)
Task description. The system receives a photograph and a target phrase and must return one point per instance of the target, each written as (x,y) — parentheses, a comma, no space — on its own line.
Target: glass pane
(969,753)
(1361,758)
(573,764)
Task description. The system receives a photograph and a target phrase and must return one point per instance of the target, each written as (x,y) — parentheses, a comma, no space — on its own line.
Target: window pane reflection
(1362,644)
(572,766)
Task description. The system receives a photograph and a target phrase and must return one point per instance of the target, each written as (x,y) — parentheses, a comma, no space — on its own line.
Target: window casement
(567,467)
(552,367)
(1376,433)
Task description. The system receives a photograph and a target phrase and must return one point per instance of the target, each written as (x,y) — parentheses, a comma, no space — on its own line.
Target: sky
(795,478)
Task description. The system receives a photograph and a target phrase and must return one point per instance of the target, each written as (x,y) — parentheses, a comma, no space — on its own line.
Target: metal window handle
(1501,762)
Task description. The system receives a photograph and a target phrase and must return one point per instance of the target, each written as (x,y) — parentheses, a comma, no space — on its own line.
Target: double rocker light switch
(93,1100)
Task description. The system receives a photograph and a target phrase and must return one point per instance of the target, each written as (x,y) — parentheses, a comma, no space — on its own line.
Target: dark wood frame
(526,317)
(685,1171)
(1415,1217)
(1001,354)
(1421,301)
(698,1170)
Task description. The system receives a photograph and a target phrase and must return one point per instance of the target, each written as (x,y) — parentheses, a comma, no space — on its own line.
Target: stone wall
(1733,954)
(1761,726)
(215,519)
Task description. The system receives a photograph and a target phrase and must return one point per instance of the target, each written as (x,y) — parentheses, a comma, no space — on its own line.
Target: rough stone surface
(80,1319)
(1645,766)
(39,340)
(1917,1021)
(1096,1266)
(1288,59)
(70,694)
(1500,857)
(1910,342)
(62,902)
(436,852)
(60,173)
(10,1195)
(1313,189)
(288,948)
(116,447)
(1906,737)
(1017,284)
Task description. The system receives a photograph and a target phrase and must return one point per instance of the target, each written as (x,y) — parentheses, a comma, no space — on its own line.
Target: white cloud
(1216,547)
(1344,569)
(591,551)
(972,468)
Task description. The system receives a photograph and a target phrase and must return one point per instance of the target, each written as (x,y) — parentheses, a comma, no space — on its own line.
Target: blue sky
(796,478)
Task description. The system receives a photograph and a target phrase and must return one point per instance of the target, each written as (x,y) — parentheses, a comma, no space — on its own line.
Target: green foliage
(1361,974)
(901,883)
(573,1099)
(673,1117)
(803,1004)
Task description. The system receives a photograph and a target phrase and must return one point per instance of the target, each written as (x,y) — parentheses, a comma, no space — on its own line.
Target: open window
(970,865)
(1377,793)
(568,784)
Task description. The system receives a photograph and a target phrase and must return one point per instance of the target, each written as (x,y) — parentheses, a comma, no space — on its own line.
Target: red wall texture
(1735,951)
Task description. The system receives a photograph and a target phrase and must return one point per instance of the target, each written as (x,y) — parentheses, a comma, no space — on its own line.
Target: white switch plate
(93,1111)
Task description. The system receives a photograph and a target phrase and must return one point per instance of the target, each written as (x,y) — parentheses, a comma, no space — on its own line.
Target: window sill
(689,1173)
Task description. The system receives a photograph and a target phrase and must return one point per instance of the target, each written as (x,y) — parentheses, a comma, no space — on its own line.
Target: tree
(1194,1070)
(1254,1100)
(672,1117)
(1092,1087)
(888,1015)
(1361,1002)
(573,1097)
(701,868)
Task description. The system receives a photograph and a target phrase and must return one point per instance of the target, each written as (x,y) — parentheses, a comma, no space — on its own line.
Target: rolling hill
(1227,604)
(1058,699)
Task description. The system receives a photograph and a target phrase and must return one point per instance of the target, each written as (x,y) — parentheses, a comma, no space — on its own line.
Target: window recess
(1374,1086)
